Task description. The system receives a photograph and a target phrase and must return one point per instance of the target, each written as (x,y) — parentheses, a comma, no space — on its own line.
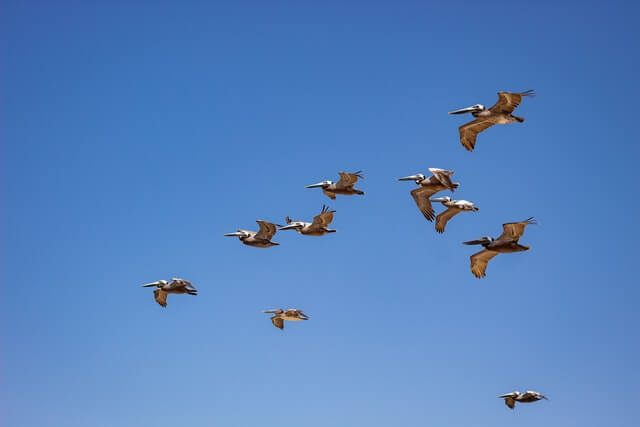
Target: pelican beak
(288,227)
(544,397)
(409,178)
(474,242)
(148,285)
(439,199)
(236,234)
(504,396)
(304,316)
(464,110)
(320,184)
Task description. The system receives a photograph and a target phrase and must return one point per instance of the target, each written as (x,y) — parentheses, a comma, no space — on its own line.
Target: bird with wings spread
(345,186)
(257,239)
(291,315)
(454,207)
(499,114)
(439,180)
(528,396)
(176,286)
(319,226)
(506,243)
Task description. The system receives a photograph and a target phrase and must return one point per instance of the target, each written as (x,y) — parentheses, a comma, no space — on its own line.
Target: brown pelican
(344,186)
(259,239)
(280,315)
(440,180)
(454,207)
(499,114)
(177,286)
(506,243)
(319,226)
(528,396)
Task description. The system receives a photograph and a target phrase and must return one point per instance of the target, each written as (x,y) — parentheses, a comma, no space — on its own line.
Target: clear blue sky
(134,134)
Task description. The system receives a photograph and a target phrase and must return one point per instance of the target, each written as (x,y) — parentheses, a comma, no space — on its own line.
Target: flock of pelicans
(440,180)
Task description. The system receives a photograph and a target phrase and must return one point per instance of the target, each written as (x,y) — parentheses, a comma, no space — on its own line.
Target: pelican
(177,286)
(344,186)
(528,396)
(499,114)
(506,243)
(259,239)
(290,314)
(319,226)
(454,207)
(439,181)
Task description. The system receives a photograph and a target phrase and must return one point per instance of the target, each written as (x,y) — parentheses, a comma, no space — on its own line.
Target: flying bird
(454,207)
(176,286)
(344,186)
(528,396)
(439,181)
(506,243)
(319,226)
(280,315)
(260,239)
(499,114)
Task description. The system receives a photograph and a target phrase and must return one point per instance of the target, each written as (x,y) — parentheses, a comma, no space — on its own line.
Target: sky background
(134,134)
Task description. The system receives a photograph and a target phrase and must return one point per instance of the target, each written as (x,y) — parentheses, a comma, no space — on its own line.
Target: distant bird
(319,226)
(506,243)
(454,207)
(259,239)
(344,186)
(280,315)
(528,396)
(439,181)
(499,114)
(177,286)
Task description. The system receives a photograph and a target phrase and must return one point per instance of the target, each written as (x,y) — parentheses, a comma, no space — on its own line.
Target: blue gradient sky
(134,134)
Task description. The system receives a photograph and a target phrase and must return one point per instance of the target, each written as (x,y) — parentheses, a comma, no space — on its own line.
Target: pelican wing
(324,218)
(444,217)
(161,297)
(510,402)
(421,196)
(469,131)
(509,101)
(278,322)
(479,262)
(267,230)
(180,284)
(512,231)
(444,176)
(348,179)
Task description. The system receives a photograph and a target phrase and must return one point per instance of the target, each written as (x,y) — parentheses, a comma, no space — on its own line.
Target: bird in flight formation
(344,186)
(454,207)
(260,239)
(528,396)
(176,286)
(499,114)
(505,244)
(440,180)
(319,226)
(290,314)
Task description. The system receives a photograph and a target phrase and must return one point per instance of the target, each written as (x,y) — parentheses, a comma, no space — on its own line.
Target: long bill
(409,178)
(236,234)
(320,184)
(289,227)
(464,110)
(475,242)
